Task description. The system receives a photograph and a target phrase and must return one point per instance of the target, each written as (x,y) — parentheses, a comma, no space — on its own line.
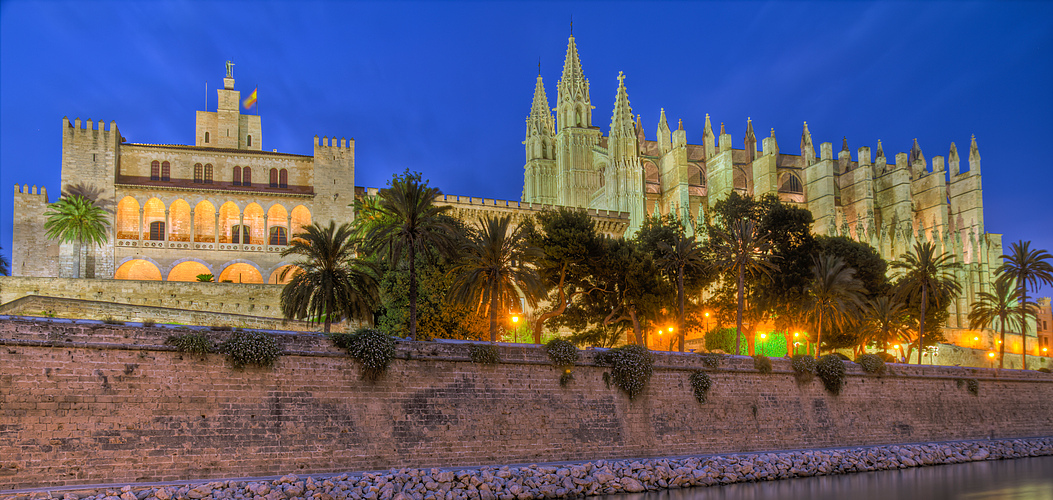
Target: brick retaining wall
(101,403)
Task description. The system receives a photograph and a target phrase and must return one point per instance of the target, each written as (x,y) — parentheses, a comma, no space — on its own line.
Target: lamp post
(706,321)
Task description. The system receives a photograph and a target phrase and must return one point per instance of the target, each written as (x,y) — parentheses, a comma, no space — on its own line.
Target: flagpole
(206,95)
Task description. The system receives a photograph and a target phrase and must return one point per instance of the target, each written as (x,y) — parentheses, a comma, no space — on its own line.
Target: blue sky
(444,87)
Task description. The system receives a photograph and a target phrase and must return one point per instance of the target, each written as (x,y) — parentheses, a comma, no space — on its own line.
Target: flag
(251,99)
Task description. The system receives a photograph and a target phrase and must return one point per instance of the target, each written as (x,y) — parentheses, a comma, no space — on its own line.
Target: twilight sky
(444,87)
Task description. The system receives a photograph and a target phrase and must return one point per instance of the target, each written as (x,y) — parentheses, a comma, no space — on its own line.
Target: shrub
(631,368)
(110,321)
(1044,370)
(192,343)
(149,322)
(886,357)
(872,363)
(562,353)
(205,278)
(565,377)
(973,386)
(831,370)
(700,384)
(250,348)
(374,349)
(803,364)
(841,356)
(484,354)
(712,359)
(762,363)
(723,339)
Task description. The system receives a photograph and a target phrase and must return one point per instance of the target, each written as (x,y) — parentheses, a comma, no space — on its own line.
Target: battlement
(326,142)
(99,126)
(482,203)
(26,191)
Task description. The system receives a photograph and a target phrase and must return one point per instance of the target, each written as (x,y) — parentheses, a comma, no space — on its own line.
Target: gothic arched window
(249,141)
(206,137)
(239,233)
(246,177)
(208,173)
(155,170)
(283,178)
(236,176)
(274,178)
(166,171)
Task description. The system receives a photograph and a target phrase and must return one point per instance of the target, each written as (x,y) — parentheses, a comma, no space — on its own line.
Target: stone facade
(887,204)
(106,403)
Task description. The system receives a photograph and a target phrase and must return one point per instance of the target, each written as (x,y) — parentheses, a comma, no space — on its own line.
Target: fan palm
(998,306)
(683,255)
(495,268)
(834,296)
(743,253)
(1026,267)
(409,224)
(924,274)
(330,283)
(77,219)
(884,319)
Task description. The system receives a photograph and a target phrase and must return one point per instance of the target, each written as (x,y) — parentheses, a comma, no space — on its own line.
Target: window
(166,171)
(239,233)
(278,236)
(792,184)
(237,176)
(246,177)
(197,173)
(283,178)
(274,177)
(208,173)
(206,137)
(157,231)
(250,141)
(155,170)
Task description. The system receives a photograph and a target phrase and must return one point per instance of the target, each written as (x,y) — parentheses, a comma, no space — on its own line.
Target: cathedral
(888,204)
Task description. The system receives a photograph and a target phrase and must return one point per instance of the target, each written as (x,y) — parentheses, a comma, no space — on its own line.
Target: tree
(409,223)
(834,297)
(741,252)
(495,268)
(329,282)
(5,267)
(629,287)
(998,306)
(1026,267)
(924,276)
(871,269)
(76,219)
(884,319)
(570,251)
(682,256)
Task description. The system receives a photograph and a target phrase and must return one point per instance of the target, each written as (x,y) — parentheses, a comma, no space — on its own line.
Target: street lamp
(707,320)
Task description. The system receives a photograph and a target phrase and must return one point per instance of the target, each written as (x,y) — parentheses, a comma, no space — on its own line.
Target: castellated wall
(99,403)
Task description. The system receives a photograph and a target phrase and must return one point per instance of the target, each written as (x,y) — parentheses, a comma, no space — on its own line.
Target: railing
(257,245)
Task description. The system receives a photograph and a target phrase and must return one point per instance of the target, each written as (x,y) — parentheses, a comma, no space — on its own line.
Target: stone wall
(100,403)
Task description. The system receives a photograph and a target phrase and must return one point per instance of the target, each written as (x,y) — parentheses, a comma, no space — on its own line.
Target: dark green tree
(1001,307)
(328,283)
(741,253)
(924,277)
(1025,267)
(835,296)
(885,318)
(681,257)
(79,220)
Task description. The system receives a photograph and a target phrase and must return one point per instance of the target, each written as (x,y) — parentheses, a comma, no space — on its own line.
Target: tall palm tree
(1026,267)
(743,253)
(834,296)
(5,267)
(78,220)
(683,255)
(923,273)
(998,306)
(884,319)
(495,268)
(410,224)
(330,282)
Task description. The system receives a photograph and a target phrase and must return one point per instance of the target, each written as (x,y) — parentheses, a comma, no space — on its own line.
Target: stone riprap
(599,477)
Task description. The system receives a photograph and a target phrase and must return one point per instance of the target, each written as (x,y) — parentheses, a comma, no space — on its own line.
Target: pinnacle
(721,128)
(622,119)
(572,64)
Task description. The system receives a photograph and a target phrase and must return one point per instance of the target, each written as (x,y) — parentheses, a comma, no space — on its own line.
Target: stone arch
(652,179)
(188,269)
(153,211)
(229,216)
(179,220)
(301,217)
(205,222)
(275,274)
(240,271)
(126,219)
(143,269)
(254,220)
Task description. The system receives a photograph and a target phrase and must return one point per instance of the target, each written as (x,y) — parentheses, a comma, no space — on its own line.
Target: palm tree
(78,220)
(409,224)
(923,273)
(330,282)
(1026,267)
(835,296)
(495,268)
(743,253)
(999,306)
(884,318)
(684,254)
(5,267)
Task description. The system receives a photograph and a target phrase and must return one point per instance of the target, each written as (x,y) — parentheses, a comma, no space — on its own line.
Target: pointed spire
(640,136)
(915,153)
(721,128)
(844,143)
(953,161)
(709,143)
(974,156)
(573,104)
(880,151)
(707,131)
(622,120)
(807,148)
(665,137)
(572,73)
(749,130)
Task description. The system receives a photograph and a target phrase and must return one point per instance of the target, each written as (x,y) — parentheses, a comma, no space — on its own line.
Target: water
(1018,479)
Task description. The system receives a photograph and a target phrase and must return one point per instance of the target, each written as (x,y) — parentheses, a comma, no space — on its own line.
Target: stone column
(288,228)
(142,218)
(215,233)
(193,234)
(266,235)
(241,230)
(168,230)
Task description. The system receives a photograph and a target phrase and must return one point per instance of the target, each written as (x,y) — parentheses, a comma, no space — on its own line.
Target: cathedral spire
(915,153)
(953,161)
(574,106)
(844,143)
(622,120)
(540,114)
(709,143)
(665,137)
(880,150)
(807,148)
(974,156)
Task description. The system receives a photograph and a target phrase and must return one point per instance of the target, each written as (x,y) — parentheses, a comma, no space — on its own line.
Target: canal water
(1018,479)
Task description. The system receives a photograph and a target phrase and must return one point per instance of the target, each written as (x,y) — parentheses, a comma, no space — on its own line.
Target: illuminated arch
(126,222)
(301,217)
(276,274)
(205,222)
(138,269)
(179,220)
(153,211)
(188,271)
(229,216)
(241,272)
(254,219)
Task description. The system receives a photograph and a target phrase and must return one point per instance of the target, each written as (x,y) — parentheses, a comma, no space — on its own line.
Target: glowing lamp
(976,339)
(670,329)
(515,319)
(796,334)
(763,335)
(990,354)
(707,314)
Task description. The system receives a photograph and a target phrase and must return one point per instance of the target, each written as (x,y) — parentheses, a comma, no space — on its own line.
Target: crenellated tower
(576,179)
(539,175)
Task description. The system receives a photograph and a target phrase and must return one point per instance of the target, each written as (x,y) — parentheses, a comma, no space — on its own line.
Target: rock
(632,485)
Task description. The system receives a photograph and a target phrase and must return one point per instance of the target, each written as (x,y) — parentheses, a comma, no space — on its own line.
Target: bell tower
(575,137)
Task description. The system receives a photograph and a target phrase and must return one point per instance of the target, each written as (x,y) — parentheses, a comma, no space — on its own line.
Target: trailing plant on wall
(872,363)
(372,348)
(631,368)
(700,384)
(973,386)
(831,370)
(191,343)
(762,363)
(248,348)
(712,359)
(803,364)
(564,355)
(484,354)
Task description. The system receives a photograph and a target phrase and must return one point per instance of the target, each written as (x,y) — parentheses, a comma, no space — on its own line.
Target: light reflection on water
(1018,479)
